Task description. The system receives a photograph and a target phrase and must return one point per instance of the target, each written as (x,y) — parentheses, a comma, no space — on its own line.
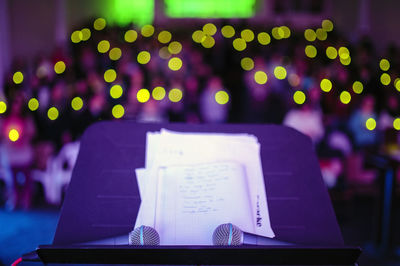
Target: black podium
(103,200)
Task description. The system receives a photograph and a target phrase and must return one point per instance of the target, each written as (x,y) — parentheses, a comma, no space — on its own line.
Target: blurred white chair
(56,177)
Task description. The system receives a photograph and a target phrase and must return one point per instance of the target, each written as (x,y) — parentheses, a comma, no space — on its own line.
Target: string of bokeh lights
(171,50)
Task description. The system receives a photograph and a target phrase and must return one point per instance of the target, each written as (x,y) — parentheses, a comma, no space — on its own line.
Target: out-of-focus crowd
(43,147)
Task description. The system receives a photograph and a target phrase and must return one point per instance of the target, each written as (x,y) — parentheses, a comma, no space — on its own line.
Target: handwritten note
(193,200)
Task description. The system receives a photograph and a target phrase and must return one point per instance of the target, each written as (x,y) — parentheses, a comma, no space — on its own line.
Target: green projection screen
(210,8)
(123,12)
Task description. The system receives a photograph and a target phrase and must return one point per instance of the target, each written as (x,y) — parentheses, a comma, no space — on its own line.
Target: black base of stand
(201,255)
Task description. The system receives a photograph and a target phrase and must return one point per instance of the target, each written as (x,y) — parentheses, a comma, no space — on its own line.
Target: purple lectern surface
(103,197)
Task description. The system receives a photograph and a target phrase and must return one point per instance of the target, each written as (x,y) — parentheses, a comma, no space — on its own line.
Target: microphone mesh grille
(221,235)
(150,237)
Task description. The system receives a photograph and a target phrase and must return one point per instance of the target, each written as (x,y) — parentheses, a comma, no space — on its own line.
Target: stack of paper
(193,182)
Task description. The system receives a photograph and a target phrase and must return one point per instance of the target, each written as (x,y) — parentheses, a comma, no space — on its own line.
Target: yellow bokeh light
(260,77)
(198,36)
(175,63)
(310,51)
(33,104)
(239,44)
(52,113)
(370,124)
(396,123)
(99,24)
(228,31)
(209,29)
(384,64)
(277,33)
(13,135)
(321,35)
(294,80)
(222,97)
(103,46)
(3,107)
(327,25)
(326,85)
(208,42)
(175,95)
(77,103)
(344,53)
(147,30)
(110,75)
(76,36)
(130,36)
(86,33)
(164,36)
(397,84)
(310,35)
(345,97)
(385,79)
(346,61)
(143,95)
(59,67)
(331,52)
(358,87)
(280,72)
(143,57)
(263,38)
(115,53)
(299,97)
(286,31)
(175,47)
(158,93)
(247,35)
(118,111)
(18,77)
(116,91)
(281,32)
(247,63)
(164,53)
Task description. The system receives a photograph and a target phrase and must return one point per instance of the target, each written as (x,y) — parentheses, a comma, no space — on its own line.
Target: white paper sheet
(193,200)
(141,180)
(179,149)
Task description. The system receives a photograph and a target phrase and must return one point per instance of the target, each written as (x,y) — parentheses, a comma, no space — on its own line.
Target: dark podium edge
(201,255)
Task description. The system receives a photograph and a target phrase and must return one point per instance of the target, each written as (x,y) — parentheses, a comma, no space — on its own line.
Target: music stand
(103,200)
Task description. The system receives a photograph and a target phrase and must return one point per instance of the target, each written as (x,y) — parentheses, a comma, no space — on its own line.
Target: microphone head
(144,236)
(227,235)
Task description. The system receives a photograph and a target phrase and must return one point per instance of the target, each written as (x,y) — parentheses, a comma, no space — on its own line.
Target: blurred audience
(337,130)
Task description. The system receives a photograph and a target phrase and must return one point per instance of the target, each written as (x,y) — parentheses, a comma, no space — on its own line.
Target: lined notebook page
(193,200)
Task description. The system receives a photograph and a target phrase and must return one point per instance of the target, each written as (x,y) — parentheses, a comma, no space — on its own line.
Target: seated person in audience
(362,136)
(18,131)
